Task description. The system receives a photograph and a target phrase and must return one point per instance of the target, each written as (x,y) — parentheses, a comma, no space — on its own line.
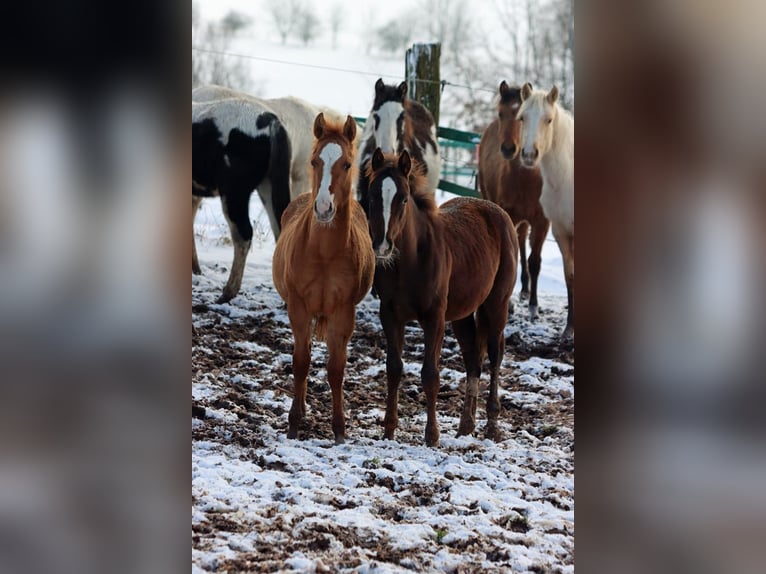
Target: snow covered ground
(261,502)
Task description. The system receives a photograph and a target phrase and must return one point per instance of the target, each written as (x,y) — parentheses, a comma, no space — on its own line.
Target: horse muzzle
(529,158)
(384,250)
(326,215)
(509,153)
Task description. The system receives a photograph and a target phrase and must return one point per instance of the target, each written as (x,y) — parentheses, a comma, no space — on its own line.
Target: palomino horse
(397,123)
(323,265)
(515,189)
(239,145)
(455,263)
(547,140)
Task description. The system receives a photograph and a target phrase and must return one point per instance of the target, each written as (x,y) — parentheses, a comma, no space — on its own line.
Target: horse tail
(279,170)
(320,328)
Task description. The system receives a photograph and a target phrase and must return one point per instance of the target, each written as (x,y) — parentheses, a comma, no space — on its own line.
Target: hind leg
(537,239)
(465,332)
(300,322)
(265,193)
(566,246)
(394,330)
(235,208)
(339,329)
(196,201)
(491,320)
(522,229)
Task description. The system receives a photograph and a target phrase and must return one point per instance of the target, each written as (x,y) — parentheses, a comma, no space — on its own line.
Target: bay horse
(239,145)
(324,264)
(454,263)
(505,182)
(398,123)
(547,141)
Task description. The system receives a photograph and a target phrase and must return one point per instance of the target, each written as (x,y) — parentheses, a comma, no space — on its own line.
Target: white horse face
(389,119)
(536,114)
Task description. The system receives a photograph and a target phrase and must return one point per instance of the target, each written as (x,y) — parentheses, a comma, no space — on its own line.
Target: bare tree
(395,35)
(235,21)
(210,62)
(286,16)
(307,25)
(449,22)
(337,17)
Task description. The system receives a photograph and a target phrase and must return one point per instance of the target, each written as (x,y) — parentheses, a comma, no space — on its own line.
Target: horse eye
(550,120)
(521,119)
(500,115)
(347,166)
(313,163)
(405,199)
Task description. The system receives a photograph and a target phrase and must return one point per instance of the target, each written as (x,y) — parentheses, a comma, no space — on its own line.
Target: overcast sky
(361,14)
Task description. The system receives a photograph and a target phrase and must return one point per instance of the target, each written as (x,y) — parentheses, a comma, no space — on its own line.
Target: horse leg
(394,330)
(300,322)
(465,332)
(196,201)
(339,329)
(536,241)
(566,246)
(235,208)
(491,322)
(265,193)
(522,229)
(433,330)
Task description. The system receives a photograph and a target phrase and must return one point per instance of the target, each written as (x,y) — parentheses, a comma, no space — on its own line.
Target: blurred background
(94,299)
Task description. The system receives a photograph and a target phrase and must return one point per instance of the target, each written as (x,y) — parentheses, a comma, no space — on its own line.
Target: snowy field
(263,503)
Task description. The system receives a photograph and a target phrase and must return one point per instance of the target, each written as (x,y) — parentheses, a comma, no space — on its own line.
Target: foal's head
(507,108)
(389,194)
(331,161)
(537,113)
(389,115)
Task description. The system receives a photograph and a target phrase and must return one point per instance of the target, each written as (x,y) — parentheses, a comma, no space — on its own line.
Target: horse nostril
(513,150)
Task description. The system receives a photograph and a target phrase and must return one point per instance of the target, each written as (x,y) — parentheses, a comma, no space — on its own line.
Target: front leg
(394,330)
(300,322)
(433,330)
(339,329)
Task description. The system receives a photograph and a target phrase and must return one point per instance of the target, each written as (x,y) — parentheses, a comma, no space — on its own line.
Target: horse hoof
(493,433)
(568,335)
(340,439)
(465,429)
(292,433)
(196,271)
(524,295)
(432,438)
(533,313)
(225,298)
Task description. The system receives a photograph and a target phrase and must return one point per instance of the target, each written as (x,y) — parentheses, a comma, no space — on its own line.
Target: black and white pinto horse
(241,143)
(397,123)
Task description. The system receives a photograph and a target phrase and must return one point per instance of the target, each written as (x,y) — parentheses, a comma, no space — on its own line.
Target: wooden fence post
(421,65)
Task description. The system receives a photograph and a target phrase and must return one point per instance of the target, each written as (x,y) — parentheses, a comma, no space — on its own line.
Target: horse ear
(526,91)
(379,85)
(402,90)
(319,126)
(553,96)
(405,163)
(349,129)
(377,159)
(503,88)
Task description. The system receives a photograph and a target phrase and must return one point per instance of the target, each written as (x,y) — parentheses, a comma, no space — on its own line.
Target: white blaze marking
(329,155)
(386,136)
(388,191)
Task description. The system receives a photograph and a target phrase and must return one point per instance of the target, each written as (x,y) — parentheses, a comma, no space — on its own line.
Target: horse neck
(419,225)
(560,157)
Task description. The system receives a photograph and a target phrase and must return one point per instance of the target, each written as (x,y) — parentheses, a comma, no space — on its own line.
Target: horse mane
(418,180)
